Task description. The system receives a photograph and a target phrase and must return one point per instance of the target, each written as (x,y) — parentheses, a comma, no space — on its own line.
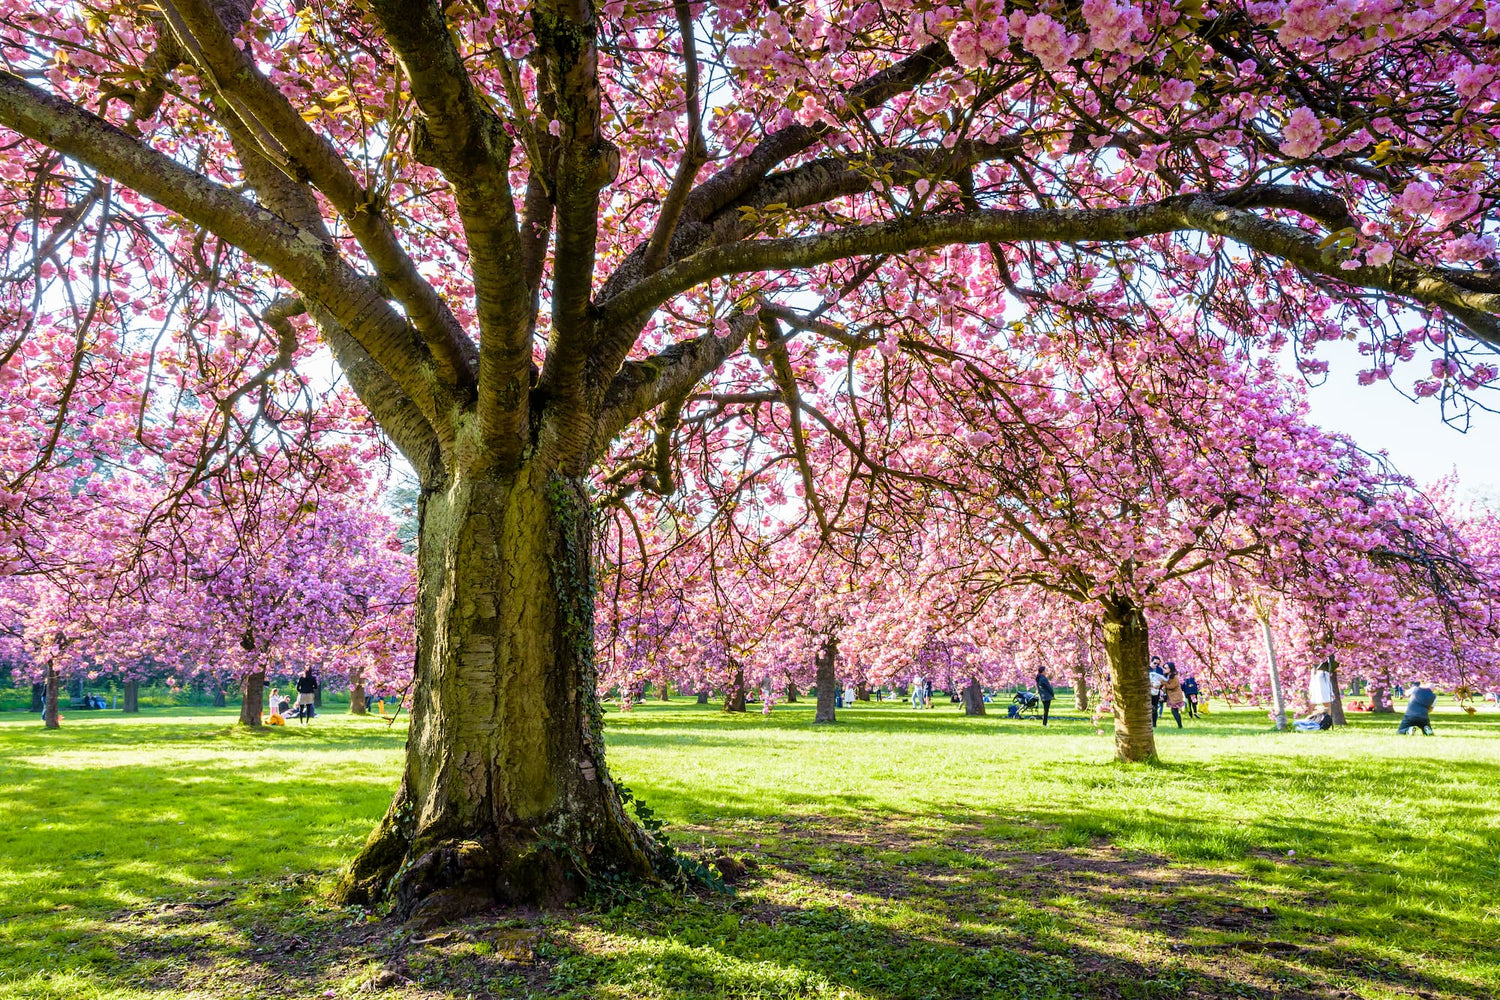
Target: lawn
(897,854)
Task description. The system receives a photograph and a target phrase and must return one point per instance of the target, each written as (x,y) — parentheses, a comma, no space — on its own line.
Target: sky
(1411,432)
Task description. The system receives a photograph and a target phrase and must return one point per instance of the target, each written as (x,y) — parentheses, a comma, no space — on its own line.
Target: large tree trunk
(703,696)
(220,699)
(1126,642)
(357,695)
(252,697)
(861,691)
(49,702)
(734,694)
(827,680)
(505,797)
(131,702)
(38,697)
(973,698)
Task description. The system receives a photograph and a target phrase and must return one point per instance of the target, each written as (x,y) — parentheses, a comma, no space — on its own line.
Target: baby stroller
(1024,705)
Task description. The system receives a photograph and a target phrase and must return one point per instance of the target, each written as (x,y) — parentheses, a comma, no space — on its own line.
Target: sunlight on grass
(901,854)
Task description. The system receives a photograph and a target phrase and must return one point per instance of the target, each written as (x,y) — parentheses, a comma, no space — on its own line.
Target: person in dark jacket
(1190,692)
(1418,710)
(1044,692)
(307,687)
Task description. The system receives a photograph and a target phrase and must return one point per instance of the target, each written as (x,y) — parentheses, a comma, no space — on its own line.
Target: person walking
(916,692)
(1190,692)
(1044,692)
(1158,676)
(307,686)
(1419,710)
(1171,693)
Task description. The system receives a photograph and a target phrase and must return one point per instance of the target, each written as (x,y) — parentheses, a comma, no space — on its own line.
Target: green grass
(900,855)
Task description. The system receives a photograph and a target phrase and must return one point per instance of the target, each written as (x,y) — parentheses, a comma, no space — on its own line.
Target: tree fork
(505,798)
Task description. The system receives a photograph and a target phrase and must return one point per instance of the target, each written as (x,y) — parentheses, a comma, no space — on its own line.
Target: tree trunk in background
(131,702)
(505,797)
(318,694)
(1127,643)
(973,698)
(703,696)
(1336,709)
(252,698)
(791,691)
(49,703)
(38,697)
(827,680)
(734,695)
(666,691)
(1380,698)
(1084,660)
(357,696)
(220,699)
(861,691)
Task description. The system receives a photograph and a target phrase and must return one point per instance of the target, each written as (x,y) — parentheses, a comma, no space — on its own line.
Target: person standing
(916,692)
(1044,692)
(1171,693)
(307,686)
(1418,710)
(1158,676)
(1190,692)
(849,694)
(1320,687)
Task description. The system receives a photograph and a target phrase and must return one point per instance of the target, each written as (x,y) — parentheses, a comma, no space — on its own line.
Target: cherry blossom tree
(530,233)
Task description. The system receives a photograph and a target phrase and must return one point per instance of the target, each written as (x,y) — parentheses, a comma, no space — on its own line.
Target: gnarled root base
(438,881)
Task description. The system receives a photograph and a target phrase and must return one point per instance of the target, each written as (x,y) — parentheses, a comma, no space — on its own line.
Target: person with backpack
(1190,692)
(1044,692)
(307,687)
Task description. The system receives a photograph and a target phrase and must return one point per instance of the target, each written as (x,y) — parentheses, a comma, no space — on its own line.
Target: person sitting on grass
(1418,710)
(1044,692)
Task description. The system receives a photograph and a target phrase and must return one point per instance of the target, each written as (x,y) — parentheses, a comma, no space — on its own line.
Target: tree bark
(131,702)
(357,695)
(49,704)
(252,697)
(666,691)
(703,696)
(1336,709)
(791,691)
(38,697)
(861,691)
(734,695)
(1081,676)
(505,796)
(1380,698)
(318,694)
(973,698)
(220,700)
(1127,643)
(827,680)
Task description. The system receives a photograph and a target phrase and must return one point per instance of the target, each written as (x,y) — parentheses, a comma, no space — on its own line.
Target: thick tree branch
(267,112)
(779,364)
(460,136)
(301,257)
(1196,213)
(642,385)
